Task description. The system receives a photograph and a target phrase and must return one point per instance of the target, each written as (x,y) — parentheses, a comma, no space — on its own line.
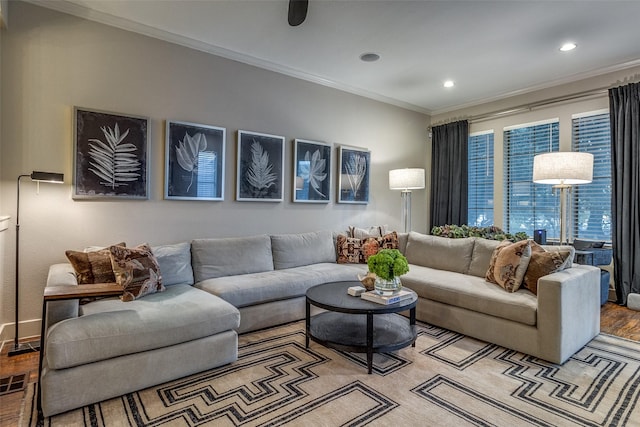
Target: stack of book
(400,295)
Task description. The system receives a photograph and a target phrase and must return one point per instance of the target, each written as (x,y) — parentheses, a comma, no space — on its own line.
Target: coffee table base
(362,333)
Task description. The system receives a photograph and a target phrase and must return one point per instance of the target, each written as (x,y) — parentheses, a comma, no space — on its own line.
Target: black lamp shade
(47,177)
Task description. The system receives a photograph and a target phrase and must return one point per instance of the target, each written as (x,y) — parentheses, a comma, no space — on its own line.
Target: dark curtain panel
(624,106)
(449,174)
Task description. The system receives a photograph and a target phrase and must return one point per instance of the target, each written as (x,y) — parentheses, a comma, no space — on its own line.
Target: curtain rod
(531,106)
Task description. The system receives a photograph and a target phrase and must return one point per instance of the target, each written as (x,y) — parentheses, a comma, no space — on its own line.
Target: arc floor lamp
(406,180)
(39,177)
(563,169)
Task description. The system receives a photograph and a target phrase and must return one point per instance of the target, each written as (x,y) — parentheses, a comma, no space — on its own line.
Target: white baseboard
(28,329)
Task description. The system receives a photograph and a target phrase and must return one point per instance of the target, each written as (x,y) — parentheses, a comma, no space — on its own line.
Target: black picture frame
(311,171)
(353,181)
(260,168)
(110,155)
(194,161)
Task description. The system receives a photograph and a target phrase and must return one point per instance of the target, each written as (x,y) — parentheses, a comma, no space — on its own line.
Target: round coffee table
(357,325)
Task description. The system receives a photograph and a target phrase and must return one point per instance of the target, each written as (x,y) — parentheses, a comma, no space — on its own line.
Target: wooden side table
(62,293)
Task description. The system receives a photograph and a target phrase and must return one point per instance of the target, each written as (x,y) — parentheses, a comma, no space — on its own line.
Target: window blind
(480,178)
(591,207)
(207,178)
(529,206)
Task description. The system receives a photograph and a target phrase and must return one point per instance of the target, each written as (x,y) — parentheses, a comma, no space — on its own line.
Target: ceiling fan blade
(297,11)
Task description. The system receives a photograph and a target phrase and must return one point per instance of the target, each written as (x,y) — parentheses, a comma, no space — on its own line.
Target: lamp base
(25,347)
(406,210)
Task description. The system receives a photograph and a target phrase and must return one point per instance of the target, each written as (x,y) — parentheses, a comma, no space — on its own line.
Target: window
(207,179)
(529,206)
(480,172)
(591,211)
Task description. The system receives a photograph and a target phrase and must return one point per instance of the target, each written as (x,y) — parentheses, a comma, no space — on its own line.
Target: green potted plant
(388,265)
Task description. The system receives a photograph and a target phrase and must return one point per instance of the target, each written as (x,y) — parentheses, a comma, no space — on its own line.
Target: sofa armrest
(568,311)
(61,275)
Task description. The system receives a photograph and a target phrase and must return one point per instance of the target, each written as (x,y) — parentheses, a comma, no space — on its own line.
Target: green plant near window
(492,232)
(388,263)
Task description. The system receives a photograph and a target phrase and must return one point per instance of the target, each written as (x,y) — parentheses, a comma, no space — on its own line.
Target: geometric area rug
(448,379)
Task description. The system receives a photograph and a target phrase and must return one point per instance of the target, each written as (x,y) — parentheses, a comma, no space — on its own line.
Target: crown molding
(547,85)
(84,12)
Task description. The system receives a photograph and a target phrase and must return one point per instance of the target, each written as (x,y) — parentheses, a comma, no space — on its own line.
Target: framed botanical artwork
(260,167)
(353,180)
(194,161)
(311,171)
(110,155)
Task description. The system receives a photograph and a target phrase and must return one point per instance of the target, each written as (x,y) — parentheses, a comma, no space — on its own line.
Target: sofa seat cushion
(472,293)
(110,328)
(259,288)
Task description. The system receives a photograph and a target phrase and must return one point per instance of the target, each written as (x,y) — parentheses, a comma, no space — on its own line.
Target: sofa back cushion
(296,250)
(175,263)
(230,256)
(403,238)
(440,252)
(481,256)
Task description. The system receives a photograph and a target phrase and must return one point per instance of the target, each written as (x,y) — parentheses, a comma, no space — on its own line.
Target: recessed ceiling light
(369,57)
(568,46)
(448,83)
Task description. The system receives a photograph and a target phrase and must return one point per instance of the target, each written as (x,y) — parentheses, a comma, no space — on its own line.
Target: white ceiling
(491,49)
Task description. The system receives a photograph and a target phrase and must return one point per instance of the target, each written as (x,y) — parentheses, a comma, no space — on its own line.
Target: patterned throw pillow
(136,270)
(352,250)
(542,263)
(489,276)
(508,264)
(93,266)
(389,241)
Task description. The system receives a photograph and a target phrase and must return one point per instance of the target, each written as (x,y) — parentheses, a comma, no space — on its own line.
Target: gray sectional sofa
(449,277)
(217,288)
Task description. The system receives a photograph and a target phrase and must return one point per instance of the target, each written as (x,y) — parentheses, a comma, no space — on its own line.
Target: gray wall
(52,62)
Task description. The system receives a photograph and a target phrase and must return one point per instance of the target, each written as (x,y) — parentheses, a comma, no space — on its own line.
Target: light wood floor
(614,320)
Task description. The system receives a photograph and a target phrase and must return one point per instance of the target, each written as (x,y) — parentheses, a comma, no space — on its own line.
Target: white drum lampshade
(567,168)
(406,179)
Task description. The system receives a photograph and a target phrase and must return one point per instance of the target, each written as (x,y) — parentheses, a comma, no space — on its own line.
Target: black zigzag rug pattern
(448,379)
